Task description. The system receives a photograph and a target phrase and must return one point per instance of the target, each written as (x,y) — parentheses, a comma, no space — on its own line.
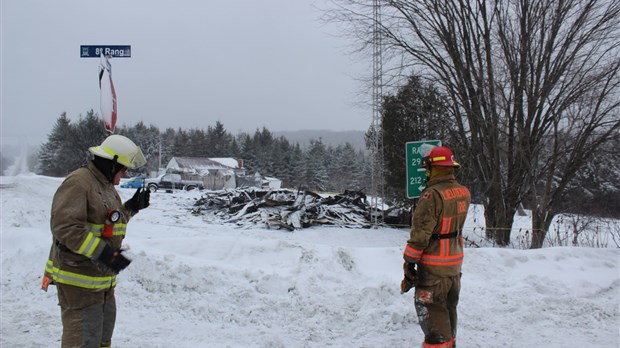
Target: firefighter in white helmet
(88,223)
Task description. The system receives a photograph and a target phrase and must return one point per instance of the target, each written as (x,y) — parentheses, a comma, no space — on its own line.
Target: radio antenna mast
(377,178)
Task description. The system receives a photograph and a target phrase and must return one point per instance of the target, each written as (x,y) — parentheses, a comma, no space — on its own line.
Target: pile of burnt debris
(297,209)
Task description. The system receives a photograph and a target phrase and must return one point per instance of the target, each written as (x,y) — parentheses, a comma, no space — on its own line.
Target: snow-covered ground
(195,282)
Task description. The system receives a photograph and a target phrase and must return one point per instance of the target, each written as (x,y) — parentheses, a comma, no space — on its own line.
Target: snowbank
(197,283)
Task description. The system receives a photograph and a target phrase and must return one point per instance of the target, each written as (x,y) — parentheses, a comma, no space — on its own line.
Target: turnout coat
(80,210)
(436,240)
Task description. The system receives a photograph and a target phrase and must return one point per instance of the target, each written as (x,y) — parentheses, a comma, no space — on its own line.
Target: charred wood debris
(296,209)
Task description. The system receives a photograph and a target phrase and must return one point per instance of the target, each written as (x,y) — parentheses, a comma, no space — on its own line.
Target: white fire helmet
(129,154)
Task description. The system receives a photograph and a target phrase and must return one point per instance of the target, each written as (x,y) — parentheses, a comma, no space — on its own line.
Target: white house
(215,173)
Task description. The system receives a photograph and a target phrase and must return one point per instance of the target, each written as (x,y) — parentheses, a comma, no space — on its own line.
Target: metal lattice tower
(377,177)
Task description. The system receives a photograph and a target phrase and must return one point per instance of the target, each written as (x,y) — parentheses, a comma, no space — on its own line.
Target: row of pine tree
(316,166)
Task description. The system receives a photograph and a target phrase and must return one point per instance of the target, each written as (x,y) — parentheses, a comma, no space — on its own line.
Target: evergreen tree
(247,152)
(55,155)
(297,167)
(89,131)
(235,149)
(282,160)
(181,144)
(257,151)
(68,144)
(219,142)
(344,169)
(317,176)
(167,146)
(200,146)
(263,142)
(417,112)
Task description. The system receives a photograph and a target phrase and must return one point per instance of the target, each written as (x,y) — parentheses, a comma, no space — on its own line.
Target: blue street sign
(95,51)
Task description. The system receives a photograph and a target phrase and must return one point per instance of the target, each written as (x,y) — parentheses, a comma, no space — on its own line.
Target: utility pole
(377,177)
(159,164)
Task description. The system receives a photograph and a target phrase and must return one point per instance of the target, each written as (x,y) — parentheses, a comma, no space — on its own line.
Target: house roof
(203,163)
(227,161)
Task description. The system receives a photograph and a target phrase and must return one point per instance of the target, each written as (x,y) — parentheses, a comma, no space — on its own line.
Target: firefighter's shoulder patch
(426,195)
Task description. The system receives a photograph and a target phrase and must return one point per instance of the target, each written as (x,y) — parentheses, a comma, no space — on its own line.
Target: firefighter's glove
(114,259)
(405,285)
(410,278)
(139,201)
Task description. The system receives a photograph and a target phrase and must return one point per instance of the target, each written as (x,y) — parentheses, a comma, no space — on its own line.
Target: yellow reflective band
(120,229)
(89,245)
(49,267)
(94,228)
(97,229)
(121,159)
(82,281)
(439,158)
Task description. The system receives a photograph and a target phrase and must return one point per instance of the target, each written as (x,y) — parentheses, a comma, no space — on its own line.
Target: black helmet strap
(108,167)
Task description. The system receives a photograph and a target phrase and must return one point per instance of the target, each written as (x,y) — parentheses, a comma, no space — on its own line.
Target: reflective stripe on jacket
(80,209)
(97,229)
(441,210)
(80,280)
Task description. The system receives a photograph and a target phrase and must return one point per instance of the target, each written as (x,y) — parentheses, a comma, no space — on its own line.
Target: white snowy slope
(194,282)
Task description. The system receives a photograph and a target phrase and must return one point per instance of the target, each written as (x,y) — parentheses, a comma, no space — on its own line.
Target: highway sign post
(106,86)
(416,174)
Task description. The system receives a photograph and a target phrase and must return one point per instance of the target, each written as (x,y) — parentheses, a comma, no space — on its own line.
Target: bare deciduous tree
(533,86)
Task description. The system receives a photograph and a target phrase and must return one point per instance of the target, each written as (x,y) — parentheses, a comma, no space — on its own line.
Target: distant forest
(315,165)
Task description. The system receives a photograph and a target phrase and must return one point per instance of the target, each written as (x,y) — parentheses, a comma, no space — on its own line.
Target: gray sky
(246,63)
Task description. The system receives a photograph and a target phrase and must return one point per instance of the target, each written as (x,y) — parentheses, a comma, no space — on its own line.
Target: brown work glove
(405,285)
(410,278)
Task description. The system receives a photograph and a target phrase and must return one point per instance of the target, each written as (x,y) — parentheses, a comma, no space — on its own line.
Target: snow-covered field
(197,283)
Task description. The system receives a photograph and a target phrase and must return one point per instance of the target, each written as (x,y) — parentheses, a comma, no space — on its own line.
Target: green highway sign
(416,174)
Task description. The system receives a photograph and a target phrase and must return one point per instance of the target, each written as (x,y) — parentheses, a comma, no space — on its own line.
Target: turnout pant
(436,299)
(88,317)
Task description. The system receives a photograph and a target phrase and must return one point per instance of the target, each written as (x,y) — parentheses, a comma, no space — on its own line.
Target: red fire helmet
(440,156)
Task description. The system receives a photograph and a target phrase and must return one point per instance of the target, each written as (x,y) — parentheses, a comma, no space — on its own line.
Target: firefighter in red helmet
(434,252)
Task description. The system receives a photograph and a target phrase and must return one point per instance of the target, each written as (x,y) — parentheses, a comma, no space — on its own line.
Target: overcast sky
(246,63)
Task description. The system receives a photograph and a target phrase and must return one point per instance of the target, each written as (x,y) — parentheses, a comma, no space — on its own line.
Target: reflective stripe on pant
(435,303)
(88,317)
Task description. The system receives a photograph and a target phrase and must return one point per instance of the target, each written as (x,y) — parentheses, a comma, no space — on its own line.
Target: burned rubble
(294,209)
